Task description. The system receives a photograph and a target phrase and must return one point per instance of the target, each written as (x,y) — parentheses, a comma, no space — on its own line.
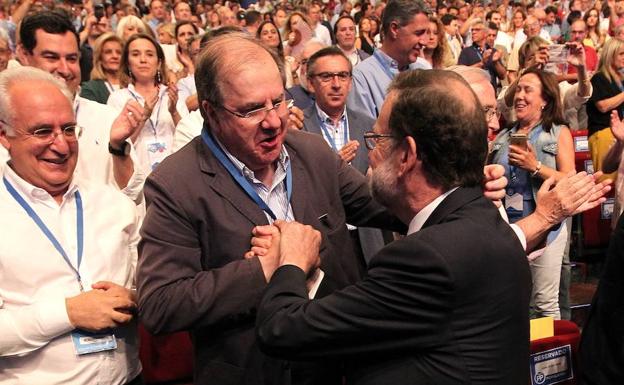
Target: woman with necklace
(144,78)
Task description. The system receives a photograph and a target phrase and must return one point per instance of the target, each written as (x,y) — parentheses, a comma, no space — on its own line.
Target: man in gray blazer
(329,78)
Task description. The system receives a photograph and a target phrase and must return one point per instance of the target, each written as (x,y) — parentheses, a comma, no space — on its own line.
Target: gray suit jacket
(358,125)
(192,275)
(371,240)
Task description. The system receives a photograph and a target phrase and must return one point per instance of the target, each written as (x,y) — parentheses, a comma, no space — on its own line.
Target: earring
(543,106)
(158,77)
(130,74)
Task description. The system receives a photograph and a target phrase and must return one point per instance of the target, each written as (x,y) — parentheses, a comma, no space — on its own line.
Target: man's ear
(22,55)
(3,137)
(208,112)
(408,156)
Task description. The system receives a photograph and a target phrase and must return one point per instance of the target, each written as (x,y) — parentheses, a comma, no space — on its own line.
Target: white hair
(471,74)
(12,76)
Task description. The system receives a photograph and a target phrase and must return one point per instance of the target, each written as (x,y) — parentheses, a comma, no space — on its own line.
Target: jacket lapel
(310,121)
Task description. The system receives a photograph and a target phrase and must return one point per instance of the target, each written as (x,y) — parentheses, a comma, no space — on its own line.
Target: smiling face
(409,39)
(57,54)
(269,35)
(254,85)
(49,166)
(528,99)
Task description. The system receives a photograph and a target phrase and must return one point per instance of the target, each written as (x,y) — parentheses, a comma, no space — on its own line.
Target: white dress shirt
(94,161)
(322,33)
(159,128)
(35,280)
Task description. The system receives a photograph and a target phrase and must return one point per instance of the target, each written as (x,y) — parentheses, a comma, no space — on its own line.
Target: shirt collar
(419,220)
(282,161)
(393,64)
(32,193)
(325,118)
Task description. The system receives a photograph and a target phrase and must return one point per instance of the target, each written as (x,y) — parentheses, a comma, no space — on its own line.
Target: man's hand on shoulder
(108,305)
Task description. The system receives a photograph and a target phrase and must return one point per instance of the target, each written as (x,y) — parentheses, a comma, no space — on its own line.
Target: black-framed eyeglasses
(491,112)
(257,115)
(48,135)
(326,77)
(371,138)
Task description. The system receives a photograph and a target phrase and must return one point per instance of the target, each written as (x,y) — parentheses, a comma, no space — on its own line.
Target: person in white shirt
(68,259)
(320,31)
(49,42)
(144,72)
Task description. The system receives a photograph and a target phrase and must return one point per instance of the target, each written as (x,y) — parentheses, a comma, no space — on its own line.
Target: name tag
(156,152)
(87,342)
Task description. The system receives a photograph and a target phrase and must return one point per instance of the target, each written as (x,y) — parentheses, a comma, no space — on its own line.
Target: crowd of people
(319,192)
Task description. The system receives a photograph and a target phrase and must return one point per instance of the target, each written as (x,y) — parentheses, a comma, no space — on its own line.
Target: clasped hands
(107,305)
(285,243)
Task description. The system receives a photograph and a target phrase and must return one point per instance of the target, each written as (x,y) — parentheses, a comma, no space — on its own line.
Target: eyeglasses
(48,135)
(326,77)
(371,138)
(491,112)
(257,115)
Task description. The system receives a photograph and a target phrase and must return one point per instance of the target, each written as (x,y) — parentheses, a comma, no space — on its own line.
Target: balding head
(223,57)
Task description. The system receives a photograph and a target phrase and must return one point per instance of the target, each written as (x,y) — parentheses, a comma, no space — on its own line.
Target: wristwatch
(123,151)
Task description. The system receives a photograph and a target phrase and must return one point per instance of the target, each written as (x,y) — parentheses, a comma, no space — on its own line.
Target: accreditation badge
(86,342)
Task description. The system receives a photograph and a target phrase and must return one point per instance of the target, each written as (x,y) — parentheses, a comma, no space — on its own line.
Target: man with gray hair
(404,26)
(66,305)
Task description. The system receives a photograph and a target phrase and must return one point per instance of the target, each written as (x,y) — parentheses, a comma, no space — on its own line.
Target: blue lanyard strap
(384,64)
(328,133)
(154,125)
(240,178)
(46,231)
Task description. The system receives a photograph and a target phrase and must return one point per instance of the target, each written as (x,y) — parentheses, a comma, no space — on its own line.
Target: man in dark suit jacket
(329,78)
(602,342)
(446,305)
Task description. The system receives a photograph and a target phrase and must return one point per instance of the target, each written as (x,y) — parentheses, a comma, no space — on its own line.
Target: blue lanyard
(384,64)
(328,133)
(240,178)
(154,125)
(46,231)
(478,50)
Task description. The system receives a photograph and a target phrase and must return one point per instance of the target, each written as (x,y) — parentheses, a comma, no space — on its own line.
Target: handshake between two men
(292,243)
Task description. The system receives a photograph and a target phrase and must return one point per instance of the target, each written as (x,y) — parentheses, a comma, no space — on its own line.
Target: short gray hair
(237,48)
(471,74)
(12,76)
(402,11)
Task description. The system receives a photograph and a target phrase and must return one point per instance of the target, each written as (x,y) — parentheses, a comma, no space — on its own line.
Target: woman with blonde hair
(106,66)
(166,33)
(130,25)
(607,96)
(437,51)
